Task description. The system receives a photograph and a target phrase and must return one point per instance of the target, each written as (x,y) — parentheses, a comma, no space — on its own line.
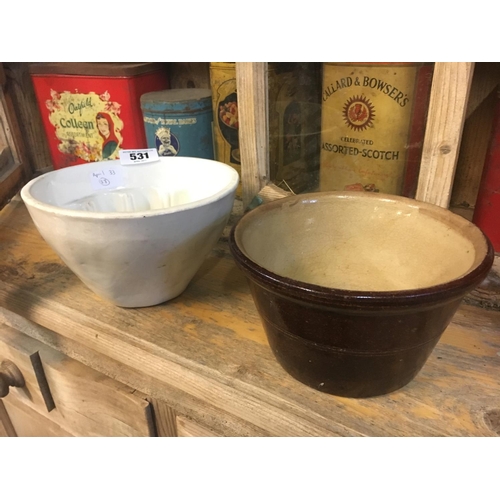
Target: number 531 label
(135,156)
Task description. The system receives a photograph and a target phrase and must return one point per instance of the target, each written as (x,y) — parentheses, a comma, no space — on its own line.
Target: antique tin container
(225,113)
(373,125)
(178,122)
(91,110)
(487,210)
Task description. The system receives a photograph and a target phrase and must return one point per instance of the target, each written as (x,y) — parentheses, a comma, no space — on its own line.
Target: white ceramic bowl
(140,240)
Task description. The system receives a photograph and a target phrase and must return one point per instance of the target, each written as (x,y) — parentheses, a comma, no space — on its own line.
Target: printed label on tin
(87,125)
(365,130)
(167,144)
(106,178)
(135,156)
(170,121)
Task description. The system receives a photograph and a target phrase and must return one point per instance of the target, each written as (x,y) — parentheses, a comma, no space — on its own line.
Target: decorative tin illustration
(88,126)
(372,125)
(227,118)
(166,143)
(75,93)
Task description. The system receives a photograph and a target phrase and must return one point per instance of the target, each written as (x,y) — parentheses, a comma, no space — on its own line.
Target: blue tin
(178,122)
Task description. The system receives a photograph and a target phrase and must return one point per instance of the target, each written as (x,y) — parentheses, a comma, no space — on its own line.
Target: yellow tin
(372,125)
(225,109)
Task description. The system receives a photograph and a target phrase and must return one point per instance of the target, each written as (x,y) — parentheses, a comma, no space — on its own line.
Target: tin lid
(94,69)
(177,100)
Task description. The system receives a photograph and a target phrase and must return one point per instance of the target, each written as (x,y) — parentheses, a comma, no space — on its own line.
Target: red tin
(92,110)
(487,210)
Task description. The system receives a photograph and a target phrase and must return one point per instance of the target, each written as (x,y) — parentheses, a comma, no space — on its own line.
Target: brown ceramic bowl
(355,289)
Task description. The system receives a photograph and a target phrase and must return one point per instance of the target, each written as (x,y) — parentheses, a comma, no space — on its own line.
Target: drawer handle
(10,376)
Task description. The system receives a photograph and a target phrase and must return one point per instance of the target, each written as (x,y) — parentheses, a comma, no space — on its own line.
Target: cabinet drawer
(70,395)
(29,422)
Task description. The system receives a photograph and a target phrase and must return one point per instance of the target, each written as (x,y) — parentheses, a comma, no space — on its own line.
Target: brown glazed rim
(357,299)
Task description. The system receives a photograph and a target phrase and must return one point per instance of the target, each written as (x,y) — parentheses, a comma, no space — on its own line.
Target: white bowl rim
(30,200)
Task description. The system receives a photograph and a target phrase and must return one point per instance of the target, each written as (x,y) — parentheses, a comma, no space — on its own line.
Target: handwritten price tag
(135,156)
(106,178)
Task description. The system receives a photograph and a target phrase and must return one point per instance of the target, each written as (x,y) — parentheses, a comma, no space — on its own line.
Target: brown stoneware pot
(355,289)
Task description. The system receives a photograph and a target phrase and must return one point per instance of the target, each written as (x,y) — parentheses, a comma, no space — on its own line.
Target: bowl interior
(361,241)
(108,186)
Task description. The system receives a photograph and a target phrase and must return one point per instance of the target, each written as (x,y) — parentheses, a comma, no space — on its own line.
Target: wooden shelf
(205,354)
(451,86)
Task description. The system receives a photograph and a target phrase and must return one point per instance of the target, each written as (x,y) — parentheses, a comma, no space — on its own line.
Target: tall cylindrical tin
(178,122)
(225,109)
(373,125)
(487,210)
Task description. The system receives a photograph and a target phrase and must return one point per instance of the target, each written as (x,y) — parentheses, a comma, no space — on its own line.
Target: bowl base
(347,373)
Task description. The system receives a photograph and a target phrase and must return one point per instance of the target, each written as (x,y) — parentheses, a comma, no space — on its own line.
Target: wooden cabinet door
(14,170)
(61,396)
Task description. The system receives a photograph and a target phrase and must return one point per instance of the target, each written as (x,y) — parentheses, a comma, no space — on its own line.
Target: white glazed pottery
(135,235)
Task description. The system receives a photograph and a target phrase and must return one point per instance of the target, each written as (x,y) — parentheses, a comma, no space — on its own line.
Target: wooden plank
(164,417)
(253,113)
(188,428)
(449,94)
(13,176)
(29,119)
(484,81)
(474,145)
(9,122)
(3,78)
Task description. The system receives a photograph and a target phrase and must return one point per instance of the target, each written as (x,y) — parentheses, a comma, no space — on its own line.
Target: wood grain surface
(86,402)
(476,134)
(448,103)
(205,353)
(6,427)
(253,112)
(29,116)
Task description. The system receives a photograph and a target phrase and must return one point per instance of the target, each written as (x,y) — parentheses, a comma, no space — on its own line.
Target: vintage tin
(91,110)
(373,125)
(225,113)
(178,122)
(487,209)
